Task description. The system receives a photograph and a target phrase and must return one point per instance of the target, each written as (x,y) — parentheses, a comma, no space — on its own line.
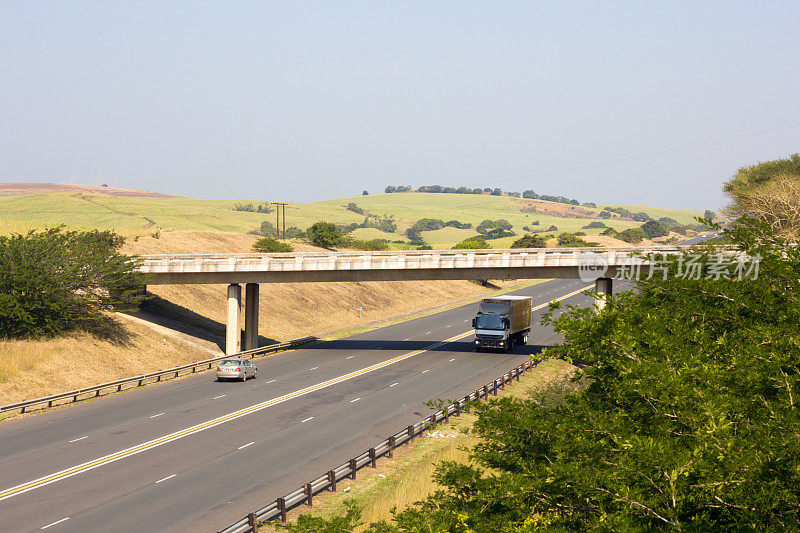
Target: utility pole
(278,206)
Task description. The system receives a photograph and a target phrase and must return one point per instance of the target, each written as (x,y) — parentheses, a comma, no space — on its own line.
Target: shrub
(268,245)
(324,234)
(354,208)
(653,229)
(473,243)
(457,224)
(530,241)
(359,244)
(605,214)
(487,225)
(631,235)
(595,224)
(571,240)
(609,231)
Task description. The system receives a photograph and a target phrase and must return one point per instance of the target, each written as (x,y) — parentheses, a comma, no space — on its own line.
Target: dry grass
(191,242)
(407,478)
(30,369)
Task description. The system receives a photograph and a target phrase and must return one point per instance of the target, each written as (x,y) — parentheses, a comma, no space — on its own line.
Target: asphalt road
(197,453)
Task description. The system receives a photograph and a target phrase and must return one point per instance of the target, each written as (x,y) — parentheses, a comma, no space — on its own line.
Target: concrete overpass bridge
(599,264)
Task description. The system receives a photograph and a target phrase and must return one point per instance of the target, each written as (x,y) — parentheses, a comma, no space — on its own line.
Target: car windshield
(489,322)
(229,362)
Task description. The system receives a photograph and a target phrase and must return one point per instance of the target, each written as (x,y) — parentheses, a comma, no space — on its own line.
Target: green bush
(653,229)
(324,234)
(268,245)
(595,224)
(631,235)
(474,243)
(571,240)
(359,244)
(55,281)
(530,241)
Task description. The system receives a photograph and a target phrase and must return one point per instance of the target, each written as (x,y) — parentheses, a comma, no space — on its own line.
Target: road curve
(198,453)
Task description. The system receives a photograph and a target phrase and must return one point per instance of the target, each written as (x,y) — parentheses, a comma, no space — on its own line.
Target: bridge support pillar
(251,316)
(604,289)
(233,331)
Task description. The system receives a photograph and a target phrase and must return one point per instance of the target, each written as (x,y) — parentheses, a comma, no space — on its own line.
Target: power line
(641,154)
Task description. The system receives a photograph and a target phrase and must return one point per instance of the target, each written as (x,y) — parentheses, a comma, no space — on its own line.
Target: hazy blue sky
(302,101)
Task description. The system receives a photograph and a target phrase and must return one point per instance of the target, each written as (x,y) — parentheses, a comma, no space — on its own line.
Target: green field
(131,216)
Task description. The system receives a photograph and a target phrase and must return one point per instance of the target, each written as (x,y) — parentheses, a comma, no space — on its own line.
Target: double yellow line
(149,445)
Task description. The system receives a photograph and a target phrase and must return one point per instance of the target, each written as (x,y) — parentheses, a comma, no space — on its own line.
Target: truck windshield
(489,322)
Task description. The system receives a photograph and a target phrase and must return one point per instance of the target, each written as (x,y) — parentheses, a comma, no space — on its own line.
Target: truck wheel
(478,349)
(510,347)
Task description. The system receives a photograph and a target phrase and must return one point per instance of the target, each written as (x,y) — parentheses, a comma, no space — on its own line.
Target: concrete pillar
(233,332)
(251,316)
(603,288)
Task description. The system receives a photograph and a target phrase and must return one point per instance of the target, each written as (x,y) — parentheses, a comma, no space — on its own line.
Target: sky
(617,103)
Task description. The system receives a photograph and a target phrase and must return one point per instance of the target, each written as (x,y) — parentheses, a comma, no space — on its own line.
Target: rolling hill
(139,213)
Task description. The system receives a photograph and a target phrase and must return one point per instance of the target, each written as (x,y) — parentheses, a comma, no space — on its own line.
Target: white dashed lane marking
(54,523)
(166,478)
(159,414)
(79,438)
(307,419)
(351,401)
(243,446)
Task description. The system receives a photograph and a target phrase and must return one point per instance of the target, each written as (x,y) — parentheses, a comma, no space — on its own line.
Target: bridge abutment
(604,289)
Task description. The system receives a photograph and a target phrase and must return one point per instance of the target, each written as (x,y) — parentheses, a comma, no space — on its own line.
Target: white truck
(502,322)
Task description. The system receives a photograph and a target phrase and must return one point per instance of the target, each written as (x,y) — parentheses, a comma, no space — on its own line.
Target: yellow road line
(90,465)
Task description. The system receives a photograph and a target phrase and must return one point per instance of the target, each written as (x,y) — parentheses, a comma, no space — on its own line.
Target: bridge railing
(403,260)
(304,494)
(145,379)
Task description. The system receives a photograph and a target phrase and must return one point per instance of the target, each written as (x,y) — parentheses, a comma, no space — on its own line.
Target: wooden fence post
(252,521)
(309,490)
(282,508)
(372,457)
(332,480)
(353,467)
(391,446)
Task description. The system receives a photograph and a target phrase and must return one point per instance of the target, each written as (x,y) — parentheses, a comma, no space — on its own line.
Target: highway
(196,453)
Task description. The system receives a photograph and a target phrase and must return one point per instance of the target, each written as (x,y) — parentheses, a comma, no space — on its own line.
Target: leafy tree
(324,234)
(457,224)
(609,231)
(572,240)
(631,235)
(267,229)
(473,243)
(530,241)
(268,245)
(653,229)
(496,192)
(477,191)
(390,189)
(56,281)
(595,224)
(588,204)
(530,194)
(365,193)
(605,214)
(487,225)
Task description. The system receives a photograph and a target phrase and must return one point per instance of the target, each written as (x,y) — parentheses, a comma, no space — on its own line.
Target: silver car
(236,368)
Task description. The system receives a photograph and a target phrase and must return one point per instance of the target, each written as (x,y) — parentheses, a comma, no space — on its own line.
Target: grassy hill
(134,216)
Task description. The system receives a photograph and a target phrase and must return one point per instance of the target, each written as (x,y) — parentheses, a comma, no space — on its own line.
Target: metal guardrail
(327,481)
(146,379)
